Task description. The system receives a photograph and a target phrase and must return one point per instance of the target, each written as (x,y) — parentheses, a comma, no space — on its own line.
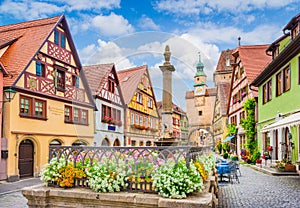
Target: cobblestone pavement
(13,200)
(257,190)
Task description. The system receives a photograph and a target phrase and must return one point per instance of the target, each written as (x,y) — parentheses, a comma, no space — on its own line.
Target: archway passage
(117,142)
(105,143)
(26,158)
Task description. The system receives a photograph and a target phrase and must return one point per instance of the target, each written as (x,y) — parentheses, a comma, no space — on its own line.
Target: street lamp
(9,94)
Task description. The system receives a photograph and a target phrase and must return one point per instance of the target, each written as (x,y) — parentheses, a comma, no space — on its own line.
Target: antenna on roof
(239,39)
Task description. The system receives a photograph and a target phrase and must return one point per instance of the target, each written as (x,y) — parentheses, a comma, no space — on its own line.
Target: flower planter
(289,168)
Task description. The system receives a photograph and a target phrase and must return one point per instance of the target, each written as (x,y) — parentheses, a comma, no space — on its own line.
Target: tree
(249,124)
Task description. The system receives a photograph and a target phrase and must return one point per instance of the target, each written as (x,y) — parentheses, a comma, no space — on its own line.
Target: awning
(228,138)
(291,120)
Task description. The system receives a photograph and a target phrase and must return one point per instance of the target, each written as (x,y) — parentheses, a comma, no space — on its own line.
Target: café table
(223,168)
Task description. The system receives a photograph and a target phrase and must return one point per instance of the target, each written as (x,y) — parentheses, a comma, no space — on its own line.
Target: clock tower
(200,79)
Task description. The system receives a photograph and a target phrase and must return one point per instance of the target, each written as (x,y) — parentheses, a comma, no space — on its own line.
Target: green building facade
(278,97)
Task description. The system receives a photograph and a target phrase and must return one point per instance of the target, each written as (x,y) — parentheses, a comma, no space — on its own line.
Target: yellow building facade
(141,115)
(52,105)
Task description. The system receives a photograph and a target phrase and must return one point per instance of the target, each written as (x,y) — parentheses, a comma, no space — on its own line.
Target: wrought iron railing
(137,160)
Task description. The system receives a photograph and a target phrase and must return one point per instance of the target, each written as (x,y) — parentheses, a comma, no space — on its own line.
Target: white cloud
(147,23)
(207,6)
(105,52)
(112,25)
(29,9)
(91,4)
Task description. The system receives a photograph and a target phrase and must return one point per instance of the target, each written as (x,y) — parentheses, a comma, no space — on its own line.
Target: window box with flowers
(108,120)
(137,126)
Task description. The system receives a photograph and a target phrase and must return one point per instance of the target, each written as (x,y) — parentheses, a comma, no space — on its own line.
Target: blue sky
(134,32)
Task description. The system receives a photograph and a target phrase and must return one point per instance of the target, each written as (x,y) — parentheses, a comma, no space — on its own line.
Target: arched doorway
(117,142)
(26,158)
(105,142)
(148,143)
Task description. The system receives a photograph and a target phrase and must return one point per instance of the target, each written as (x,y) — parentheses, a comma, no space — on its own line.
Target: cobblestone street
(257,190)
(13,200)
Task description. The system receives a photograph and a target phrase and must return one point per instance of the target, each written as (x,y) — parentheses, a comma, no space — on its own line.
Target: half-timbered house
(109,119)
(249,61)
(141,115)
(53,104)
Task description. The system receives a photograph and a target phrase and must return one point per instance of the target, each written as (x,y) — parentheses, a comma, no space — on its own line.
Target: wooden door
(26,158)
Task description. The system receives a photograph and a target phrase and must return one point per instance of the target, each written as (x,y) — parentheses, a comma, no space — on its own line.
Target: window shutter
(77,82)
(56,37)
(63,41)
(38,67)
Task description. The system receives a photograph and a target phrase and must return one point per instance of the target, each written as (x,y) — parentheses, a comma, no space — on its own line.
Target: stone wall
(44,196)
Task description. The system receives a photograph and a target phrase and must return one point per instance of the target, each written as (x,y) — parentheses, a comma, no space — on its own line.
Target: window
(25,105)
(39,69)
(200,113)
(150,103)
(75,81)
(59,38)
(283,81)
(267,92)
(136,119)
(141,120)
(132,118)
(76,115)
(278,84)
(32,107)
(110,112)
(242,116)
(111,86)
(287,79)
(60,79)
(139,98)
(68,111)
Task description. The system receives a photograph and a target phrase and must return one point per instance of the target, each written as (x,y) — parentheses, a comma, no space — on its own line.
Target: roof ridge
(28,24)
(132,69)
(98,64)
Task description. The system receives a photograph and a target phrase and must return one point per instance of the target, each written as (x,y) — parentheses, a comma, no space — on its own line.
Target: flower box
(290,168)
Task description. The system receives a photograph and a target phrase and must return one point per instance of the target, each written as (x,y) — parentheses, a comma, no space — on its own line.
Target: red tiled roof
(129,80)
(25,39)
(96,76)
(223,92)
(254,59)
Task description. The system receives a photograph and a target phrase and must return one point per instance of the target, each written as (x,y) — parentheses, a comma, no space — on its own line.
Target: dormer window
(59,38)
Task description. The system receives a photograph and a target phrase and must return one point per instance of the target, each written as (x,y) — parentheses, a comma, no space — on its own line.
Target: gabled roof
(223,92)
(129,80)
(221,66)
(25,40)
(96,76)
(254,59)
